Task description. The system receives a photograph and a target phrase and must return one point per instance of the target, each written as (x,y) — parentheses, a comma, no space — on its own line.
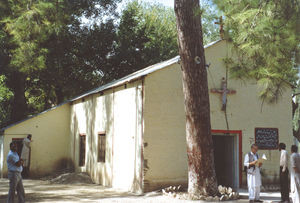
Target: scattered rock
(216,199)
(235,195)
(224,194)
(72,178)
(209,198)
(227,197)
(185,196)
(153,194)
(201,197)
(172,189)
(227,193)
(222,190)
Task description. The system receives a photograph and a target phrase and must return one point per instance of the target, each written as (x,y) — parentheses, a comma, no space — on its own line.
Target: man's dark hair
(29,136)
(282,146)
(11,144)
(253,145)
(294,148)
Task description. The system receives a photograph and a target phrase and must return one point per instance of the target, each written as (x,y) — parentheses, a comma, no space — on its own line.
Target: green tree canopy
(57,49)
(265,37)
(147,35)
(5,98)
(43,45)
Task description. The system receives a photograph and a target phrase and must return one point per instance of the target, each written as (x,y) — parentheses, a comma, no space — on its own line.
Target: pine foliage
(147,35)
(266,39)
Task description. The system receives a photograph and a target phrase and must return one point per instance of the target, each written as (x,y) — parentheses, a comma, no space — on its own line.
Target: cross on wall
(223,91)
(221,29)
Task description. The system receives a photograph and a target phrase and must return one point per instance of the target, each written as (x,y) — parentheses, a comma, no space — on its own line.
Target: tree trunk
(296,133)
(59,95)
(201,168)
(19,106)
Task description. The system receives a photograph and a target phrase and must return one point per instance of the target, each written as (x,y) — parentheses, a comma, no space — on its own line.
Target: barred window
(101,146)
(82,143)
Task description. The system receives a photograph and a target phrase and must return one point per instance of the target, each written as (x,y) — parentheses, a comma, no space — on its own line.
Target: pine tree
(201,169)
(265,37)
(42,43)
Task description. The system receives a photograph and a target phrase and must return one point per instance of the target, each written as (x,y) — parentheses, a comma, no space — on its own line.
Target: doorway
(226,159)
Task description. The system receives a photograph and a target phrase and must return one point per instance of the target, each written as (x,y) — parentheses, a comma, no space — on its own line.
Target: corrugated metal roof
(115,83)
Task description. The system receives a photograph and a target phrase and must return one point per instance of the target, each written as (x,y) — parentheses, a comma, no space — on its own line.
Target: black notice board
(266,138)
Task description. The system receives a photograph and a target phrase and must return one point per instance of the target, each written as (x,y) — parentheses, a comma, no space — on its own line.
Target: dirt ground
(45,191)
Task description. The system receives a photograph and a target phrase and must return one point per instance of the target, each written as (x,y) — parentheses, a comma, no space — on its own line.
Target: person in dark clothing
(284,174)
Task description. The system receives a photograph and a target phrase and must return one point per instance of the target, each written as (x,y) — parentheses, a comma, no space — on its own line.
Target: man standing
(253,174)
(295,174)
(284,173)
(14,165)
(25,155)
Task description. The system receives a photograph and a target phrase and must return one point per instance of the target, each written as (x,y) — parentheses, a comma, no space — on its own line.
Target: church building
(130,133)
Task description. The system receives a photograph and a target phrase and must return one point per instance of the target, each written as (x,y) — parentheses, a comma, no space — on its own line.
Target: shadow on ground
(43,191)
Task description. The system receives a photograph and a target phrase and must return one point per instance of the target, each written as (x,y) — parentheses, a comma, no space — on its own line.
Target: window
(101,146)
(82,141)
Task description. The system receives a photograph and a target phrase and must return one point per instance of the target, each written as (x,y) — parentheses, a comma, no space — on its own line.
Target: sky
(169,3)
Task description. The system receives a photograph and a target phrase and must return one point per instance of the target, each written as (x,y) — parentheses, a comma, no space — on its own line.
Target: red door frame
(239,133)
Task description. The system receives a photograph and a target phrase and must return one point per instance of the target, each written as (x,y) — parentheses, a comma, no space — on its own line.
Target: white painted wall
(164,117)
(118,112)
(50,135)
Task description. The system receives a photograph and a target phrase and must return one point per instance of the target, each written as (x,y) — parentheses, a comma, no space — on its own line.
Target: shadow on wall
(64,164)
(137,185)
(99,172)
(75,140)
(266,178)
(60,166)
(98,112)
(89,109)
(104,174)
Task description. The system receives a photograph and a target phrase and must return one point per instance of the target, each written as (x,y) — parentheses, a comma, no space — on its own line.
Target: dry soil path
(43,191)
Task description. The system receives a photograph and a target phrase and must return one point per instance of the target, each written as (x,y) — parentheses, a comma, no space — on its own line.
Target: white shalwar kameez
(253,179)
(295,178)
(25,154)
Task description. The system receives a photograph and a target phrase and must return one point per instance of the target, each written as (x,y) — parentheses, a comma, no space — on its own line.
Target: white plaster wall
(51,141)
(164,117)
(118,113)
(245,110)
(164,137)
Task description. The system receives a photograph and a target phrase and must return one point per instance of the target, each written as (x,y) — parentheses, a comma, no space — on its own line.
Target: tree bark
(296,133)
(201,168)
(19,106)
(59,95)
